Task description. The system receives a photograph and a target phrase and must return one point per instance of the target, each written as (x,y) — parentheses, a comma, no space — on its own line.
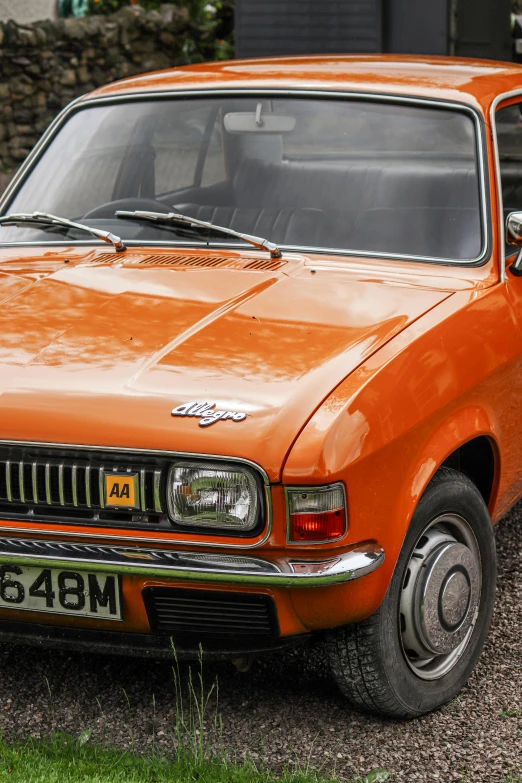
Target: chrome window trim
(505,96)
(155,453)
(83,102)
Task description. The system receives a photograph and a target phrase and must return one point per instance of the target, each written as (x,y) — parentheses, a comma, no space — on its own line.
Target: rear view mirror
(514,237)
(514,229)
(259,122)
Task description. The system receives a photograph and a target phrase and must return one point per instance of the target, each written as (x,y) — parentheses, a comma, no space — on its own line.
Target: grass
(63,759)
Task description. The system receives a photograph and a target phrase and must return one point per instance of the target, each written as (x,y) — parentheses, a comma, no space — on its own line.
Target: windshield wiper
(174,217)
(43,218)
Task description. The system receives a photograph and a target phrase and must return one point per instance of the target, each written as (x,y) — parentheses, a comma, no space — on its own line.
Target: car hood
(100,354)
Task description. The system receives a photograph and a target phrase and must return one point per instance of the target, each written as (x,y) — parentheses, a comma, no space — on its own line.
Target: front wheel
(420,647)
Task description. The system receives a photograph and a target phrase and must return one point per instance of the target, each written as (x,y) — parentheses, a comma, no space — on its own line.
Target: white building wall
(25,11)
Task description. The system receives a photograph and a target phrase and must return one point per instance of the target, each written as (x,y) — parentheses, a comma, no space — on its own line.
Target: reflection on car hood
(100,355)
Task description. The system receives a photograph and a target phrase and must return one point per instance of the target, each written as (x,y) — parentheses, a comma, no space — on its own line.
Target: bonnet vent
(102,259)
(190,261)
(254,264)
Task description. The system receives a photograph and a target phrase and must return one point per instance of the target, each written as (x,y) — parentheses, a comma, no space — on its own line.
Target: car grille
(47,483)
(205,614)
(52,484)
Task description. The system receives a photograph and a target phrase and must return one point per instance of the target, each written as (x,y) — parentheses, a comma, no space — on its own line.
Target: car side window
(509,137)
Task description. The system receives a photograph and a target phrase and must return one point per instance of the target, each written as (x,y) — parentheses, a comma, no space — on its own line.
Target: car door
(508,130)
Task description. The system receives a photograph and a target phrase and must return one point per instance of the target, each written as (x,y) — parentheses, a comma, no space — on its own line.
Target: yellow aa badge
(122,490)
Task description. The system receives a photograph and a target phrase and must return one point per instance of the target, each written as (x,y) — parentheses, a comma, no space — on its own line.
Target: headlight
(213,495)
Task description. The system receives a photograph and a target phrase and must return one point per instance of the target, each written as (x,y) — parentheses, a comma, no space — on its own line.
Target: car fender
(385,439)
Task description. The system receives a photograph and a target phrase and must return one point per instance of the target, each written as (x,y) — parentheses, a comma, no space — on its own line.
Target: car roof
(475,82)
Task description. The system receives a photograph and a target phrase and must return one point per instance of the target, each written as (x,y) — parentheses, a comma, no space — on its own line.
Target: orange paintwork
(366,371)
(475,82)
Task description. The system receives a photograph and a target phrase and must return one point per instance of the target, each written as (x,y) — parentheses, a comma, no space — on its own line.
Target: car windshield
(333,174)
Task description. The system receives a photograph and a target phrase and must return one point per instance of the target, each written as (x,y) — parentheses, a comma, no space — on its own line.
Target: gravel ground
(286,708)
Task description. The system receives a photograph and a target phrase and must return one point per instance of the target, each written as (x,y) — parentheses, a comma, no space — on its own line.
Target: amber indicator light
(316,514)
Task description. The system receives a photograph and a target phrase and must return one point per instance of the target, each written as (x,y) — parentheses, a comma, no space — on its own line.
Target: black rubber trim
(136,644)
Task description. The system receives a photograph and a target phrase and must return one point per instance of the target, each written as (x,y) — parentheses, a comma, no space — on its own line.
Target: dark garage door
(272,27)
(469,28)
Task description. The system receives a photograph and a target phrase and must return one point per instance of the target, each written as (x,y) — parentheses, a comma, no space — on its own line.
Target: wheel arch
(466,441)
(478,460)
(465,436)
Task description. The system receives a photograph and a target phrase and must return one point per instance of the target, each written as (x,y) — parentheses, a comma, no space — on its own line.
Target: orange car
(261,366)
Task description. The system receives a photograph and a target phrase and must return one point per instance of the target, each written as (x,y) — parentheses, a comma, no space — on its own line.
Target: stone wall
(44,65)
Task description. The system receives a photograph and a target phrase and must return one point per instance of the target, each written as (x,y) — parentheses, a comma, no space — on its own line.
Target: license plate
(75,593)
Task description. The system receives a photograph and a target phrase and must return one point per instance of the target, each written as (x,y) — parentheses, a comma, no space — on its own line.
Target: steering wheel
(129,204)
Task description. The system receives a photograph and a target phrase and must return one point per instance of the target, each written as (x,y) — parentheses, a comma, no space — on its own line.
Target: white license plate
(75,593)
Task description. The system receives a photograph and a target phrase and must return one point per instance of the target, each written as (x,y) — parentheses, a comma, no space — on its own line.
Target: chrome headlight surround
(215,497)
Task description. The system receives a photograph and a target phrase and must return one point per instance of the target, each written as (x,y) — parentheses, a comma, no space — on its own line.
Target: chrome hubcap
(454,600)
(440,596)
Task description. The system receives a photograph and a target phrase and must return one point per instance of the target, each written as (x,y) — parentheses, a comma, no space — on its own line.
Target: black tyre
(419,649)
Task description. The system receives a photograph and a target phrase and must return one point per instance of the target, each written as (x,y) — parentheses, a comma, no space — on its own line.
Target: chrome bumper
(196,567)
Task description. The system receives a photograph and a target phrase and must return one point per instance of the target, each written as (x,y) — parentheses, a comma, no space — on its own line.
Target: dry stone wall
(44,65)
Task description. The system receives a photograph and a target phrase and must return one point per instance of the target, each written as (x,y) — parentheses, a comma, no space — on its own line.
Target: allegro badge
(206,413)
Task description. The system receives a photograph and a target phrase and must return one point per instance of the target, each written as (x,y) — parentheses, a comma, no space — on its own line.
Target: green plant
(196,8)
(214,20)
(511,712)
(111,6)
(377,776)
(64,759)
(192,735)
